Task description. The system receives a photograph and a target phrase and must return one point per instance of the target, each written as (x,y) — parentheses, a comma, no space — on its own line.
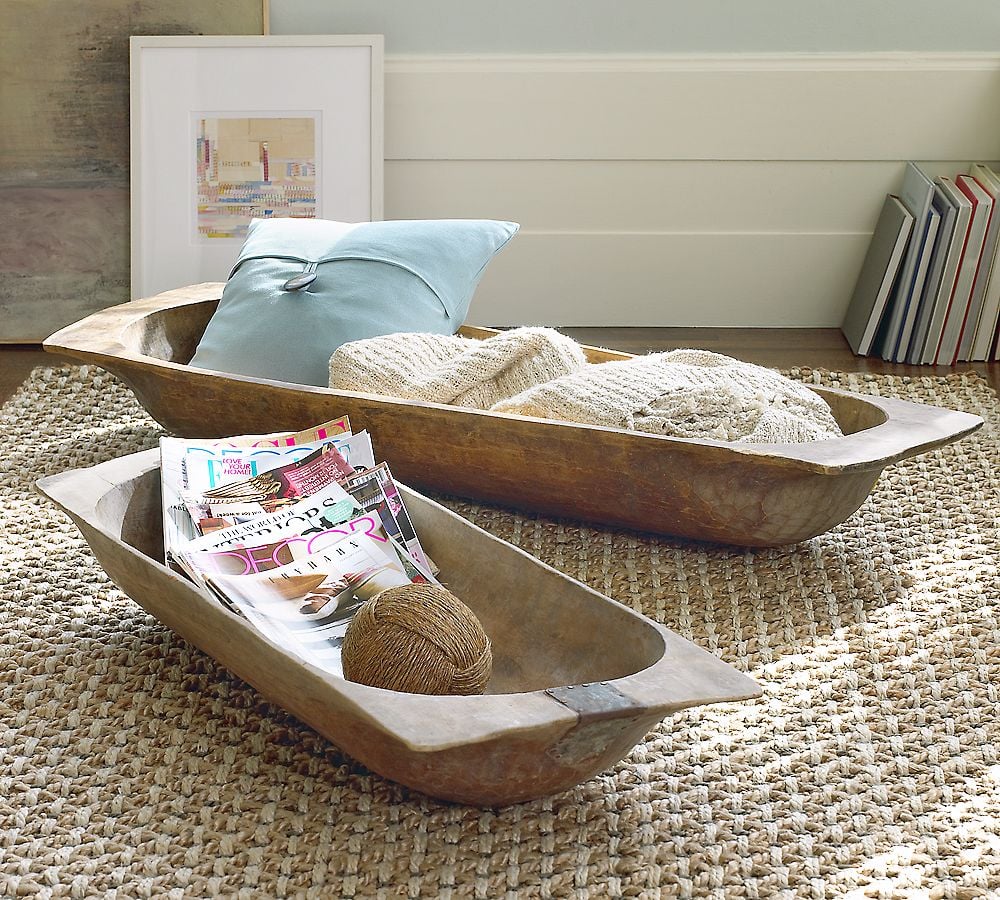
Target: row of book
(929,288)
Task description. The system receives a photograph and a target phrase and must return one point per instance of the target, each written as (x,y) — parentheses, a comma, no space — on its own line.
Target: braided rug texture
(131,765)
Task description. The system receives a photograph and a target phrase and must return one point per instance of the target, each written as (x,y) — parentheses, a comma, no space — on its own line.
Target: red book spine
(962,182)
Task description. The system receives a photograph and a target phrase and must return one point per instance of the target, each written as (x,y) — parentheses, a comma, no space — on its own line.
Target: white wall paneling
(677,190)
(622,278)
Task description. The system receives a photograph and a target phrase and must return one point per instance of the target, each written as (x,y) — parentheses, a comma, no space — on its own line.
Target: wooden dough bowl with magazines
(577,679)
(745,494)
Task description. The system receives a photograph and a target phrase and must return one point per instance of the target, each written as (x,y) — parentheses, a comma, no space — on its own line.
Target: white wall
(669,188)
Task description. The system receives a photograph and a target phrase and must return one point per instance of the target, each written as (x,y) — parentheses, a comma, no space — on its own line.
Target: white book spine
(948,346)
(989,317)
(989,313)
(979,289)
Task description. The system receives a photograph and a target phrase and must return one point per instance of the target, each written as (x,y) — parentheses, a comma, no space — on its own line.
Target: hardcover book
(915,195)
(919,281)
(963,213)
(986,327)
(985,263)
(939,257)
(877,275)
(958,308)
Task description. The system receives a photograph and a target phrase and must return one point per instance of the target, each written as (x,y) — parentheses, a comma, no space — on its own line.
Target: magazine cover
(228,503)
(178,527)
(306,605)
(376,484)
(211,467)
(356,449)
(206,468)
(265,542)
(287,482)
(340,425)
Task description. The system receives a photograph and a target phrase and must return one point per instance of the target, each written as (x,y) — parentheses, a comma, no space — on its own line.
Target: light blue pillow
(302,287)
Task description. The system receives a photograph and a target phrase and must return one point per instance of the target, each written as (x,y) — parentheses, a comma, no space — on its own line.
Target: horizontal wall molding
(741,106)
(713,62)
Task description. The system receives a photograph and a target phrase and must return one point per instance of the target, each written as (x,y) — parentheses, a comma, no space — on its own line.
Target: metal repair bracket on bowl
(600,708)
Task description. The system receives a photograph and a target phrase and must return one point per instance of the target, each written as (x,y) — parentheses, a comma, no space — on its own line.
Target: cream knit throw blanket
(461,371)
(539,372)
(684,393)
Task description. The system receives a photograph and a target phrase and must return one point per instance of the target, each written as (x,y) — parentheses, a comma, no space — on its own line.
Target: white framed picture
(225,129)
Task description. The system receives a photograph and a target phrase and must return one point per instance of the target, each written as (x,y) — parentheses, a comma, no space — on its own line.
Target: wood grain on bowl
(577,680)
(745,494)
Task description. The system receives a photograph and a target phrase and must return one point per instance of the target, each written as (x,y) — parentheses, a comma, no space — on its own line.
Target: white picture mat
(172,78)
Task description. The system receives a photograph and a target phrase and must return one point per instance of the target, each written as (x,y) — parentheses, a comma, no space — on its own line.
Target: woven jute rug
(131,765)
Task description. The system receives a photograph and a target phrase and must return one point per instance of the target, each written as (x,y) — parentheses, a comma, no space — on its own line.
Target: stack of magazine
(291,531)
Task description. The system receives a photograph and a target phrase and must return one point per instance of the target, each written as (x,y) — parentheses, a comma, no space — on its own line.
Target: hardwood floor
(778,347)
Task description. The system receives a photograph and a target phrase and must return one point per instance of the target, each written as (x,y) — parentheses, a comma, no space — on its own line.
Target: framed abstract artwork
(229,129)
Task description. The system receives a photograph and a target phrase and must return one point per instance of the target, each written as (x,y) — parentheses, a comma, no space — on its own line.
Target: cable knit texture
(456,370)
(683,393)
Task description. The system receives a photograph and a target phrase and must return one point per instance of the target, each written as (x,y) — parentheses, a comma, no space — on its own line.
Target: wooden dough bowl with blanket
(745,494)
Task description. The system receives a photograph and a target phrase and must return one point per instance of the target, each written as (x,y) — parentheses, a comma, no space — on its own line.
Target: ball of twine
(418,638)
